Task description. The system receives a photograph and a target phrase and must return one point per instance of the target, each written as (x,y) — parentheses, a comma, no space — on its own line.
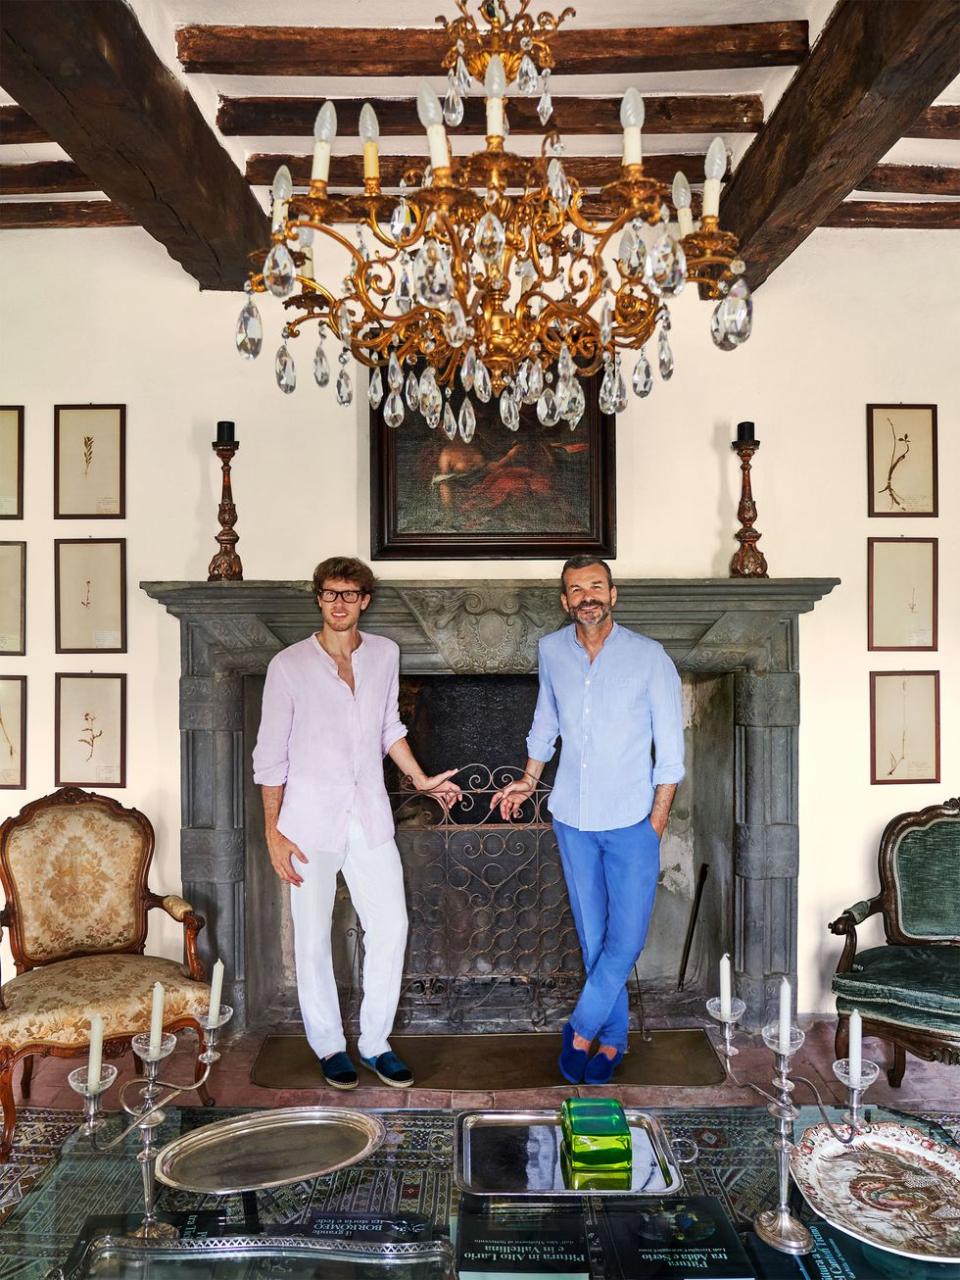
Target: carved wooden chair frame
(12,920)
(934,1046)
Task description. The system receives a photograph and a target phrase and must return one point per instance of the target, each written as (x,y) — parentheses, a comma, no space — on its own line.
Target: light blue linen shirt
(612,715)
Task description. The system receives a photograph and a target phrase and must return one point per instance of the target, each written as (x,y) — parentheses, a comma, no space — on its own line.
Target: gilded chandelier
(497,267)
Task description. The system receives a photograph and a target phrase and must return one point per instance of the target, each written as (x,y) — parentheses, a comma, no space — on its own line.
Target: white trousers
(375,880)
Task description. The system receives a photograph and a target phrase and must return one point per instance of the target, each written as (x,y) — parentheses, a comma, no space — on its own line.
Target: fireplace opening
(492,945)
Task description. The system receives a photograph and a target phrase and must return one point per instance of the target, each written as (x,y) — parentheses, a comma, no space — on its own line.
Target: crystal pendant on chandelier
(462,75)
(558,184)
(449,422)
(321,368)
(718,330)
(344,323)
(528,80)
(666,268)
(613,390)
(375,389)
(535,382)
(548,411)
(393,410)
(452,104)
(401,220)
(606,323)
(574,404)
(394,373)
(665,356)
(344,388)
(411,392)
(482,386)
(431,275)
(469,368)
(736,312)
(403,286)
(565,365)
(545,105)
(642,376)
(455,325)
(279,272)
(285,370)
(467,421)
(489,238)
(509,410)
(431,401)
(249,331)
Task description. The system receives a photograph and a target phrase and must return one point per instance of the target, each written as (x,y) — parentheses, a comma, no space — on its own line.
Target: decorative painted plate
(893,1187)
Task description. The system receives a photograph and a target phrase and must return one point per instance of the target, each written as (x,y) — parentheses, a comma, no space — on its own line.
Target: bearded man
(613,697)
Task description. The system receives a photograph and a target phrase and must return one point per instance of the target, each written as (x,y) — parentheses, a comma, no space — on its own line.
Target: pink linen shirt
(325,745)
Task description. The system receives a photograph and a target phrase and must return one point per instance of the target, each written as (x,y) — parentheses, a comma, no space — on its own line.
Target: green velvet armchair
(908,991)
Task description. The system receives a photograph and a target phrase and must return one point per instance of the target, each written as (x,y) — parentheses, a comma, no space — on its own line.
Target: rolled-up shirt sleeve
(270,762)
(542,738)
(666,713)
(393,727)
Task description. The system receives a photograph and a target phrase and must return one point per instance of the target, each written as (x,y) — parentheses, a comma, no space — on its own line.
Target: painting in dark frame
(536,493)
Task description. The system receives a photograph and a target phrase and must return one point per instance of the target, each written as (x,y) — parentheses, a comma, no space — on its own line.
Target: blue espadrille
(600,1068)
(339,1072)
(572,1062)
(391,1069)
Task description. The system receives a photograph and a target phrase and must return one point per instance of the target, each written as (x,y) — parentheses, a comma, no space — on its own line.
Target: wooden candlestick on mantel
(226,563)
(748,561)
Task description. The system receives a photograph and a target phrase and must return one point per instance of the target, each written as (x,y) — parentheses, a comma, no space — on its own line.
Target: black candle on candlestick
(745,433)
(226,433)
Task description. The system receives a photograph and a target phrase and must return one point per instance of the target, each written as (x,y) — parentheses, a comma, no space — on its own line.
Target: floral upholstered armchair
(74,871)
(908,992)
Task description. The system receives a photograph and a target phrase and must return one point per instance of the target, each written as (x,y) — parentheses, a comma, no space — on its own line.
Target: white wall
(106,316)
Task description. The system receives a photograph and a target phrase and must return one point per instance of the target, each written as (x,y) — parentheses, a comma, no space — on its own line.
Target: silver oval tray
(518,1153)
(268,1149)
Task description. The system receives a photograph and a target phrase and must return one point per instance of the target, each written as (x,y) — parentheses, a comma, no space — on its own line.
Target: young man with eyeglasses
(613,697)
(329,717)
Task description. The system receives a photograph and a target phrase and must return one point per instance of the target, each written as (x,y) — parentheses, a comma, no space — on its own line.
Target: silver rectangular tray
(517,1153)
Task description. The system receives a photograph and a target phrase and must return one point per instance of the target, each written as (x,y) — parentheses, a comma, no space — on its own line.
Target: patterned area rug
(411,1173)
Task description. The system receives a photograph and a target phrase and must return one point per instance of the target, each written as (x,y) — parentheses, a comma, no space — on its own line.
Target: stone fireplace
(492,944)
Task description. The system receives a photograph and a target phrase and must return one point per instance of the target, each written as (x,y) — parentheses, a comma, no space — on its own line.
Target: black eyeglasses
(350,596)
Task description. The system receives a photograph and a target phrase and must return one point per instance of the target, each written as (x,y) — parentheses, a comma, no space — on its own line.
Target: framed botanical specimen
(91,594)
(901,593)
(91,730)
(901,459)
(13,597)
(904,726)
(13,732)
(11,462)
(538,492)
(89,461)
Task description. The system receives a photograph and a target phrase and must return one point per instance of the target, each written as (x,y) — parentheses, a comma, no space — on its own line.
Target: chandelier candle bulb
(495,85)
(681,202)
(855,1068)
(324,132)
(95,1061)
(156,1021)
(784,1036)
(369,136)
(631,117)
(430,113)
(726,989)
(714,168)
(281,190)
(216,991)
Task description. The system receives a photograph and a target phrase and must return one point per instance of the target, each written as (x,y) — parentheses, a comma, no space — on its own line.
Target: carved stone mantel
(711,625)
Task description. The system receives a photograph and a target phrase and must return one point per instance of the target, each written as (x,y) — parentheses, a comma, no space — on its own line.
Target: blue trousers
(612,881)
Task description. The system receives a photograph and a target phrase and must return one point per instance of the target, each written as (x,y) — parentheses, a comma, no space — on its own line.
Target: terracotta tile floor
(925,1085)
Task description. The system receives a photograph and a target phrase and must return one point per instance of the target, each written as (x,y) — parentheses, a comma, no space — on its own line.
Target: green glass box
(595,1134)
(594,1179)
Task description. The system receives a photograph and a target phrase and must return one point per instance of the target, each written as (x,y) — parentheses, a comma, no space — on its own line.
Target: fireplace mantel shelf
(710,626)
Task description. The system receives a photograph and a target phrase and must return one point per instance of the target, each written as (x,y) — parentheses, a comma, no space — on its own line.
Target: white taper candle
(856,1049)
(95,1061)
(725,988)
(216,990)
(156,1021)
(784,1036)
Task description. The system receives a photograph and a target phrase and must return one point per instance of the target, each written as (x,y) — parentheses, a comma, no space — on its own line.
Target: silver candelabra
(779,1227)
(145,1108)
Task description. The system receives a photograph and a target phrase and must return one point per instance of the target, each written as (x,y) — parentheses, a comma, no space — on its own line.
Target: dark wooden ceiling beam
(294,117)
(90,77)
(43,177)
(17,127)
(913,180)
(409,51)
(347,171)
(35,214)
(911,215)
(866,81)
(942,120)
